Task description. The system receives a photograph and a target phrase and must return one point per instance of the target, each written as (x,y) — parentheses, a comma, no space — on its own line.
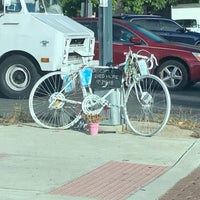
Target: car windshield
(42,6)
(149,34)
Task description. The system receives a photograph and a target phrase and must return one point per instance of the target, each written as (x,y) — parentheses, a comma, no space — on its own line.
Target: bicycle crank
(92,104)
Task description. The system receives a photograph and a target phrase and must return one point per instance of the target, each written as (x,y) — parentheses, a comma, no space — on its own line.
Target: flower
(94,118)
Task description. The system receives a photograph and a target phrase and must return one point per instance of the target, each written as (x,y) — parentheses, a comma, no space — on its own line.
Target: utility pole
(106,53)
(105,32)
(86,8)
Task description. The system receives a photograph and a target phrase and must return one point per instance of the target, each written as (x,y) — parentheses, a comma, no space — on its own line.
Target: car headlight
(196,55)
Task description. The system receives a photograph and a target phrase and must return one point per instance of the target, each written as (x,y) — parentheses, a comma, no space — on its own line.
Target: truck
(37,38)
(187,15)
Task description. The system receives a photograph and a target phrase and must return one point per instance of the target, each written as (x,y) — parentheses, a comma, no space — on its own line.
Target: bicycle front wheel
(148,105)
(55,100)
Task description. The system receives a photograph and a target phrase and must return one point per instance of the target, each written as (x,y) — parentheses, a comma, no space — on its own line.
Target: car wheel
(174,74)
(17,76)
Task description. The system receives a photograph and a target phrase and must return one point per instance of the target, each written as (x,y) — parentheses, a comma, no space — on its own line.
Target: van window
(189,23)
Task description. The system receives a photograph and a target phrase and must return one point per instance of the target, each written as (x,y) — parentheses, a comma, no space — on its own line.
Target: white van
(35,38)
(187,15)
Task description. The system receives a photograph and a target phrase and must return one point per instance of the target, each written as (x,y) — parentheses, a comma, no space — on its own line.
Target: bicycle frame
(131,59)
(91,100)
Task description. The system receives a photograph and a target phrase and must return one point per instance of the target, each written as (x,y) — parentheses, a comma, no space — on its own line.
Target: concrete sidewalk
(36,161)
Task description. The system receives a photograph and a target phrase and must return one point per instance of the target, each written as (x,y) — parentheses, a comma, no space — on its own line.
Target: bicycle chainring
(92,104)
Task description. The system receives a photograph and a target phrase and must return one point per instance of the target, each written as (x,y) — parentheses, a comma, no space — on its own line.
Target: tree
(73,7)
(141,7)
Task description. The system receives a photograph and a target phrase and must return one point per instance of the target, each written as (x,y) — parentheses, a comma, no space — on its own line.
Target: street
(188,98)
(185,103)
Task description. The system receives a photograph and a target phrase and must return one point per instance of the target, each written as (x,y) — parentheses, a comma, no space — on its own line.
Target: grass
(19,115)
(184,119)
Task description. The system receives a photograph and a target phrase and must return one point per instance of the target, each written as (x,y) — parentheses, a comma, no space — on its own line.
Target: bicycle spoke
(147,106)
(52,106)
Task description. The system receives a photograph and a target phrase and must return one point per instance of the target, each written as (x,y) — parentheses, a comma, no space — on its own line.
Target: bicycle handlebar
(148,59)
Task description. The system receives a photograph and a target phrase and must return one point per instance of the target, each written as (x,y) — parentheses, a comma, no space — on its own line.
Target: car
(167,28)
(178,65)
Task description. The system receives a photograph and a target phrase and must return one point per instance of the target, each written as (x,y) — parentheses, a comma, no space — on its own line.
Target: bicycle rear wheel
(55,100)
(148,105)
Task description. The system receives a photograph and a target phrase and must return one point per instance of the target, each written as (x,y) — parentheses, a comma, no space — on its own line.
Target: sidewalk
(43,164)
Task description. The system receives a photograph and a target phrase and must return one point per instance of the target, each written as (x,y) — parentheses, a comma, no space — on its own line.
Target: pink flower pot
(93,128)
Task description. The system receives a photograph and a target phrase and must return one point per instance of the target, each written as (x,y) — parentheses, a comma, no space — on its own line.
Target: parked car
(167,28)
(179,65)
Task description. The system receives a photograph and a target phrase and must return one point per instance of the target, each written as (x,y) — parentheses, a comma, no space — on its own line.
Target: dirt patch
(187,188)
(175,131)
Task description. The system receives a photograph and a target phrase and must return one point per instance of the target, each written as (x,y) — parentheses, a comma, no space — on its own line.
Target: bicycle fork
(145,99)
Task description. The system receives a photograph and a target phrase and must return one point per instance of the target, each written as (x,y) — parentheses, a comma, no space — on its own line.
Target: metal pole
(105,32)
(86,8)
(106,52)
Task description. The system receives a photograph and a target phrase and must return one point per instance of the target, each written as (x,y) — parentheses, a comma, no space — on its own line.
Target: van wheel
(17,77)
(174,74)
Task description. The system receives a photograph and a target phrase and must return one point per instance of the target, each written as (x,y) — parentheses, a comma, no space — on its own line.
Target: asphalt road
(188,98)
(186,103)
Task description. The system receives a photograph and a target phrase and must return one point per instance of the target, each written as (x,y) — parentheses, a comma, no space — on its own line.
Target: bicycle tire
(148,112)
(52,105)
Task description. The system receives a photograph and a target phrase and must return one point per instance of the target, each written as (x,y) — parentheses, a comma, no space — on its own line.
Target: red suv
(179,64)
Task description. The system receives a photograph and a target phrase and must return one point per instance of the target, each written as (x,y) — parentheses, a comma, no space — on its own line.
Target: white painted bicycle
(59,100)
